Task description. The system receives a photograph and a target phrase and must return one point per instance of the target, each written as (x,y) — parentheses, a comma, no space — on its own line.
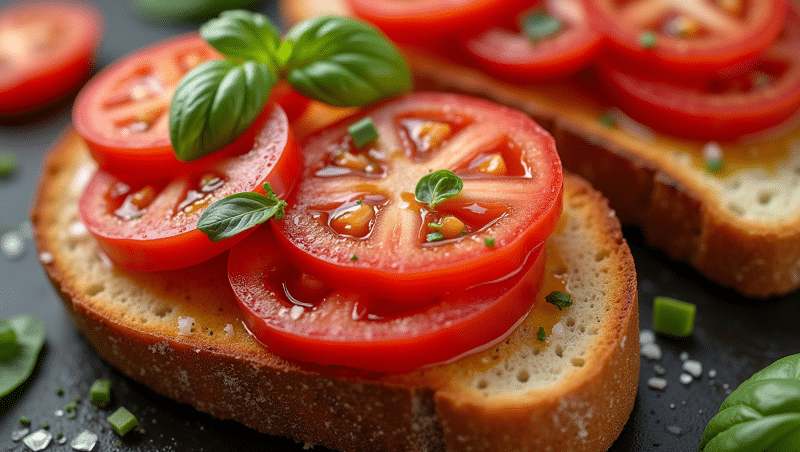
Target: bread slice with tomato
(712,181)
(182,333)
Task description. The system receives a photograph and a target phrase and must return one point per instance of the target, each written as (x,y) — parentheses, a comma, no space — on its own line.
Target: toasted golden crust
(740,228)
(573,392)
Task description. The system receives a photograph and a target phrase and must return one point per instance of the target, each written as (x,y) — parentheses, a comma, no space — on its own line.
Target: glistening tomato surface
(722,108)
(123,112)
(348,329)
(46,52)
(152,226)
(688,38)
(354,223)
(510,54)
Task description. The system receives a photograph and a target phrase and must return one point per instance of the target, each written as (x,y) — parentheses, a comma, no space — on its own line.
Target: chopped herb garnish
(489,242)
(8,164)
(46,426)
(434,237)
(607,121)
(541,335)
(673,317)
(559,299)
(70,407)
(353,257)
(433,225)
(100,392)
(540,25)
(363,132)
(647,39)
(77,399)
(59,390)
(435,187)
(122,421)
(59,435)
(359,202)
(25,420)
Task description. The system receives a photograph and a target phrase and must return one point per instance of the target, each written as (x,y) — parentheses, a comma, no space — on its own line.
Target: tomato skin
(510,55)
(163,238)
(335,332)
(696,111)
(42,78)
(391,262)
(732,53)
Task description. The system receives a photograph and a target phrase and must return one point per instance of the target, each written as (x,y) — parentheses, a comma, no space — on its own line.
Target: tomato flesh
(151,225)
(341,328)
(688,38)
(722,108)
(391,257)
(46,52)
(510,54)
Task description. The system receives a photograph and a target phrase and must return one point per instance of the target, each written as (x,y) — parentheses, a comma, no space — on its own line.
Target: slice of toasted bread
(739,227)
(573,391)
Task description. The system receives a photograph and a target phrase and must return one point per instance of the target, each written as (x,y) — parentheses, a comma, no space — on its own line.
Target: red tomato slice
(692,38)
(512,55)
(720,109)
(152,226)
(46,52)
(425,21)
(349,329)
(123,112)
(354,223)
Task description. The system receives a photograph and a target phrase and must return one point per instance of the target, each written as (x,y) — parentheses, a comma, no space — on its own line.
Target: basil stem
(435,187)
(239,212)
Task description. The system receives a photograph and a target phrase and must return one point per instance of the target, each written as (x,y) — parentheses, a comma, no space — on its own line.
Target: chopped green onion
(434,236)
(363,132)
(59,390)
(122,421)
(559,299)
(647,39)
(25,420)
(46,426)
(353,257)
(100,392)
(489,242)
(673,317)
(9,346)
(8,164)
(541,335)
(540,25)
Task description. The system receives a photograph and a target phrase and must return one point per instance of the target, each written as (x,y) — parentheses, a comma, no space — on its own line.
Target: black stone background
(733,335)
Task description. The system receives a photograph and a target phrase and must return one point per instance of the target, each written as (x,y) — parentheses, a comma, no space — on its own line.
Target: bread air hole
(162,310)
(95,289)
(523,376)
(765,197)
(578,362)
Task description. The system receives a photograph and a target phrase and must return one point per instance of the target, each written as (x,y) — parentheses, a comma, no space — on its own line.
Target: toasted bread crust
(673,206)
(131,320)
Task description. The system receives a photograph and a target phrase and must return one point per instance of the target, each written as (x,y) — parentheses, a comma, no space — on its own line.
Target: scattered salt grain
(695,368)
(558,330)
(672,406)
(58,413)
(38,440)
(712,373)
(85,441)
(646,337)
(684,356)
(17,435)
(725,385)
(674,429)
(657,383)
(78,230)
(46,257)
(229,330)
(12,244)
(185,325)
(685,378)
(659,369)
(651,351)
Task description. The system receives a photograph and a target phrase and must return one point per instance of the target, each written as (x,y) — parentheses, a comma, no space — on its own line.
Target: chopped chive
(673,317)
(363,132)
(46,426)
(559,299)
(100,392)
(59,435)
(489,242)
(434,236)
(25,420)
(540,25)
(122,421)
(8,164)
(70,407)
(353,257)
(647,39)
(59,390)
(541,335)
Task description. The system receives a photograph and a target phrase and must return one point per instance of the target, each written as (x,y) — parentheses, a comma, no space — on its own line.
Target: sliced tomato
(152,225)
(427,22)
(720,109)
(354,223)
(688,38)
(46,52)
(123,112)
(512,55)
(350,329)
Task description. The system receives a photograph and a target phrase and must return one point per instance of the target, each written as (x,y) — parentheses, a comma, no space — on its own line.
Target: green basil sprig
(239,212)
(30,336)
(763,413)
(336,60)
(437,186)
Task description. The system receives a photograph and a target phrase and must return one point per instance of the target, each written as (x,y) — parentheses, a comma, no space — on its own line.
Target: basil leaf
(344,62)
(239,212)
(763,413)
(215,103)
(435,187)
(244,35)
(30,336)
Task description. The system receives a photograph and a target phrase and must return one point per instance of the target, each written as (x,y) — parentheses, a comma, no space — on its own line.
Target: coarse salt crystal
(685,378)
(712,373)
(38,440)
(651,351)
(657,383)
(674,429)
(558,330)
(17,435)
(185,325)
(46,257)
(695,368)
(684,356)
(646,337)
(296,312)
(85,441)
(229,330)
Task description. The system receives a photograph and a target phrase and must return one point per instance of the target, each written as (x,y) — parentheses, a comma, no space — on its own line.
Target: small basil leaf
(763,413)
(239,212)
(243,35)
(30,336)
(215,103)
(344,62)
(435,187)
